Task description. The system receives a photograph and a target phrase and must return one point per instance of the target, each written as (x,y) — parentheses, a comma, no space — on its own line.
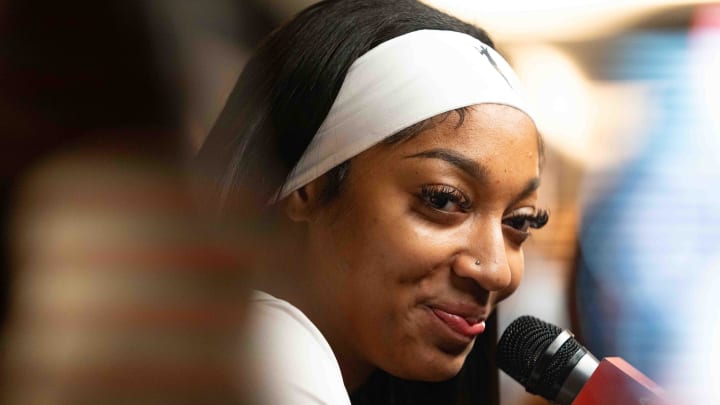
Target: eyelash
(522,222)
(437,196)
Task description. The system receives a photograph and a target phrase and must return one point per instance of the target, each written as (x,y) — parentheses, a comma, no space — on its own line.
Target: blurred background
(101,105)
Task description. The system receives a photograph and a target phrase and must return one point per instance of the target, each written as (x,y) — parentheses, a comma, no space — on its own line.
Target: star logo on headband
(484,51)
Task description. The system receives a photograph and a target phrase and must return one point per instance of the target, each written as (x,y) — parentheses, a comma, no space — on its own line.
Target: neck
(290,275)
(291,270)
(354,373)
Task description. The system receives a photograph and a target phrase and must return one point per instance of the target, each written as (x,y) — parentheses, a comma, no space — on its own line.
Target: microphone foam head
(522,345)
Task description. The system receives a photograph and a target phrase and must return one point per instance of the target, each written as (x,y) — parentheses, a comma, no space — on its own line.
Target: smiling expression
(423,240)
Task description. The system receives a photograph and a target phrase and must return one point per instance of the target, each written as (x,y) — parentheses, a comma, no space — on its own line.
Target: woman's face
(424,239)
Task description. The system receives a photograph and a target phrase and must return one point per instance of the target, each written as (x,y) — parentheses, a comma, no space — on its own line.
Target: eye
(444,198)
(522,222)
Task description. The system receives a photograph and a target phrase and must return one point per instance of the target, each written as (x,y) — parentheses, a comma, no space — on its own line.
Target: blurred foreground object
(122,293)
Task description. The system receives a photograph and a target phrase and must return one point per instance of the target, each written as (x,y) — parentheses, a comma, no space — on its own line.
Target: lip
(462,321)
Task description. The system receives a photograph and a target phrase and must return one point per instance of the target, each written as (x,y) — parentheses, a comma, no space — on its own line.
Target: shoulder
(292,359)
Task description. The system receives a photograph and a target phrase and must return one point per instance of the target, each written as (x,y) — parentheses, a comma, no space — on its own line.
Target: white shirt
(291,360)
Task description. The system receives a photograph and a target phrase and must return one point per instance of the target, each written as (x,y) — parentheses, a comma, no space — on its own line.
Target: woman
(402,168)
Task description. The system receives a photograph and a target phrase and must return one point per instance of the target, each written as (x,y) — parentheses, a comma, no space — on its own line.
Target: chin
(435,369)
(433,374)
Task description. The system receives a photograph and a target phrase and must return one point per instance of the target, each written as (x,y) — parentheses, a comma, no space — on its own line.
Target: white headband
(399,83)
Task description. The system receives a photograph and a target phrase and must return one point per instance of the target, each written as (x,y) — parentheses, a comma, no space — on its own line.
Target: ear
(302,203)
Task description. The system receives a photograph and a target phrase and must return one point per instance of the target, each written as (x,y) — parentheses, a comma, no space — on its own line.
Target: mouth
(467,326)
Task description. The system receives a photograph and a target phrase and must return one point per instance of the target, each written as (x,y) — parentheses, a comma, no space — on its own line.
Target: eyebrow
(469,166)
(530,187)
(472,168)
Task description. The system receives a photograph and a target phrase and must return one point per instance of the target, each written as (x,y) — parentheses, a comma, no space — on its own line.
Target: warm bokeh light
(562,20)
(561,96)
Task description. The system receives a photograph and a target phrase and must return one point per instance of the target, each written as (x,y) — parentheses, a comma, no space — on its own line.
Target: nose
(484,259)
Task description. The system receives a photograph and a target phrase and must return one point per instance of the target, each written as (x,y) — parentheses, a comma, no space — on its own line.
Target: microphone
(549,362)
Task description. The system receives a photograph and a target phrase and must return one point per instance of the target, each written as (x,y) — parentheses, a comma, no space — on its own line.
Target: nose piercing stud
(477,262)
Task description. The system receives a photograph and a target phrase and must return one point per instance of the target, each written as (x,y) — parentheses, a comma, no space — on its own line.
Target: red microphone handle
(618,383)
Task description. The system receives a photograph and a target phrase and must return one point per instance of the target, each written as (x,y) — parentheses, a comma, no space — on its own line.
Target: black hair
(288,86)
(277,105)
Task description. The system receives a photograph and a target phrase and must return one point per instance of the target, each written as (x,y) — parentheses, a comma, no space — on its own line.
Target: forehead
(502,139)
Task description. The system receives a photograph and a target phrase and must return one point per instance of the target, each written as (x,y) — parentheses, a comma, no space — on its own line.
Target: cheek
(383,241)
(386,259)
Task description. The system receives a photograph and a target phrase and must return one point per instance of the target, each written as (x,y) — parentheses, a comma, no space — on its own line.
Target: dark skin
(426,234)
